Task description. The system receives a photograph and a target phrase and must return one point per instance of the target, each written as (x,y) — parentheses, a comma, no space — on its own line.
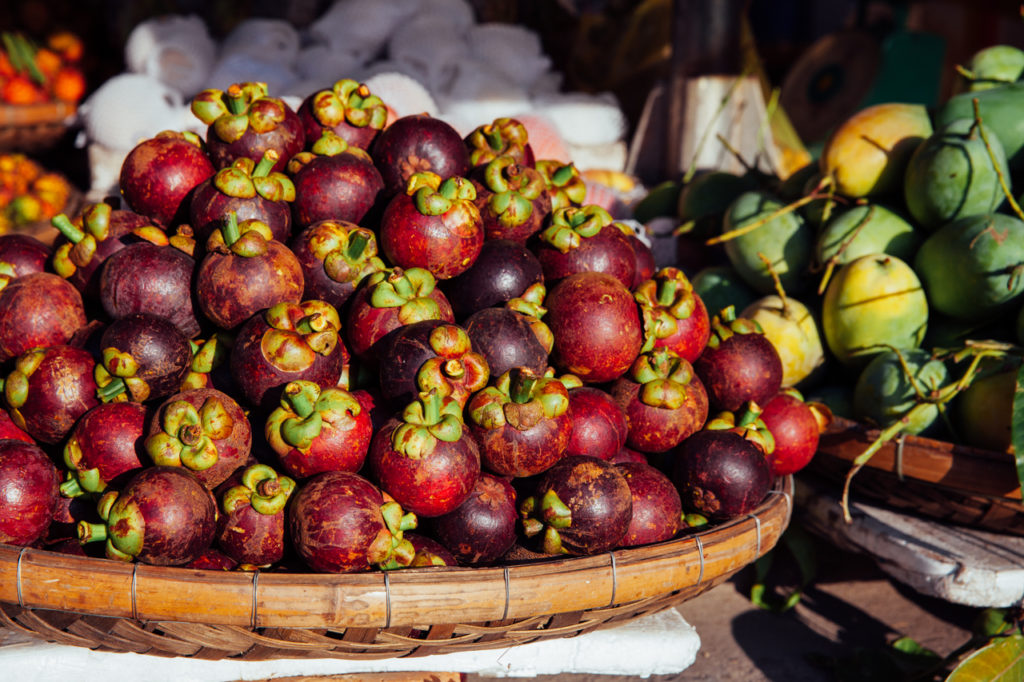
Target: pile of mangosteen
(325,339)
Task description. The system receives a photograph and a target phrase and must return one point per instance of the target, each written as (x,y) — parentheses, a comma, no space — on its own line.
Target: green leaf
(1000,661)
(1017,426)
(907,645)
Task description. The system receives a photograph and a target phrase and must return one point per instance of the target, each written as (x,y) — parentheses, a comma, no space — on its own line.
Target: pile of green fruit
(889,273)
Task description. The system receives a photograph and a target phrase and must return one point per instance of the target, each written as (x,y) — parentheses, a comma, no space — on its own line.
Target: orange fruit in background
(68,84)
(67,44)
(21,89)
(868,153)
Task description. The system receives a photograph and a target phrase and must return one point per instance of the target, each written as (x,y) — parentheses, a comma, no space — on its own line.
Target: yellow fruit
(793,331)
(868,153)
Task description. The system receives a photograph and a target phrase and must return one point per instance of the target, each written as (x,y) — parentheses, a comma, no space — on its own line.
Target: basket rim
(962,468)
(40,579)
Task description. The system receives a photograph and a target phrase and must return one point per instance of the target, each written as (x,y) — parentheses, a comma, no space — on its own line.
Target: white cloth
(176,50)
(274,41)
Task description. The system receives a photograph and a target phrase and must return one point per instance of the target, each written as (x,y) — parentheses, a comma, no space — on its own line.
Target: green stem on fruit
(262,169)
(995,164)
(357,242)
(112,389)
(521,386)
(67,228)
(235,99)
(91,532)
(229,230)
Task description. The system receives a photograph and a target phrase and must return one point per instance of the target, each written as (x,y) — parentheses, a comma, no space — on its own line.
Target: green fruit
(872,302)
(984,412)
(793,331)
(951,175)
(720,286)
(994,66)
(868,228)
(999,109)
(885,393)
(785,240)
(972,268)
(661,200)
(704,199)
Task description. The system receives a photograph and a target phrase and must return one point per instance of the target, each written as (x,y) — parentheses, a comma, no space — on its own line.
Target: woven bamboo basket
(169,611)
(34,127)
(931,478)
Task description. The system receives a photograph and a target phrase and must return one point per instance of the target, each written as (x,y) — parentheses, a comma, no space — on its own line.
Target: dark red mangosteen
(429,553)
(429,355)
(628,455)
(143,357)
(38,310)
(483,528)
(522,423)
(596,326)
(434,225)
(340,523)
(284,343)
(515,335)
(8,429)
(95,235)
(503,270)
(795,426)
(21,254)
(160,173)
(104,445)
(674,314)
(580,506)
(246,122)
(163,516)
(599,426)
(426,458)
(417,143)
(249,189)
(585,239)
(720,474)
(645,265)
(202,430)
(251,525)
(319,429)
(49,389)
(244,271)
(389,299)
(333,181)
(348,109)
(657,509)
(211,560)
(28,492)
(502,137)
(565,185)
(663,400)
(512,199)
(335,256)
(154,279)
(739,363)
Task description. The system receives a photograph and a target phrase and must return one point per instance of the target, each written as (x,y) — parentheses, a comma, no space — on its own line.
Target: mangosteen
(674,314)
(503,136)
(515,335)
(347,109)
(154,279)
(427,553)
(565,185)
(49,389)
(739,363)
(144,357)
(21,254)
(585,239)
(580,506)
(503,270)
(250,190)
(284,343)
(434,225)
(163,516)
(720,474)
(596,326)
(339,523)
(38,310)
(159,175)
(429,354)
(333,181)
(483,528)
(335,256)
(251,525)
(521,422)
(103,447)
(28,492)
(795,426)
(246,122)
(512,199)
(317,429)
(244,271)
(657,508)
(417,143)
(426,458)
(599,426)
